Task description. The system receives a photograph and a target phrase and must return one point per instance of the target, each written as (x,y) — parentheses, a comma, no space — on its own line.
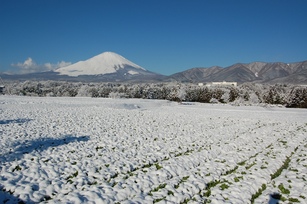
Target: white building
(223,83)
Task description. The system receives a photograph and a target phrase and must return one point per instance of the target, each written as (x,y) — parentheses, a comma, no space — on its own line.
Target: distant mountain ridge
(260,72)
(112,67)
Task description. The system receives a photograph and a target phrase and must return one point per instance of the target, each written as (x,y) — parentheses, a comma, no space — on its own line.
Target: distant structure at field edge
(2,89)
(223,83)
(1,86)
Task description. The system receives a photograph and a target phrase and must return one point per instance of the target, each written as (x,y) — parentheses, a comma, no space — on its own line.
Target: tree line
(245,94)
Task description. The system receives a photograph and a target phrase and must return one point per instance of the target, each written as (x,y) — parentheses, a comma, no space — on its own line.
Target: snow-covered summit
(105,63)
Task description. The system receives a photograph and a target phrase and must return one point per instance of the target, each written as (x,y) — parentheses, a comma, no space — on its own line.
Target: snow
(255,66)
(132,72)
(105,63)
(95,150)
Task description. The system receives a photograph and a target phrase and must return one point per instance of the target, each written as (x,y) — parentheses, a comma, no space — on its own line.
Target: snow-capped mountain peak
(104,63)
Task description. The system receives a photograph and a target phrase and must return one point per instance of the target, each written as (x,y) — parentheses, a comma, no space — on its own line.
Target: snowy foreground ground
(94,150)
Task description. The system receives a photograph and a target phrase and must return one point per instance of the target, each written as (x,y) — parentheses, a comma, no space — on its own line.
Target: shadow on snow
(18,121)
(19,149)
(8,198)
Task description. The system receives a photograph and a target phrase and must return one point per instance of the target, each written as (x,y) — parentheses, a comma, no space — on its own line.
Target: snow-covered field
(95,150)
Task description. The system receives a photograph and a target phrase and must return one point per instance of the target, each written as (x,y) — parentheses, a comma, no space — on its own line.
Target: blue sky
(163,36)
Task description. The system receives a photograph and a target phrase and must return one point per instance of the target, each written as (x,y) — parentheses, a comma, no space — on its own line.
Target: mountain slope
(237,72)
(298,74)
(195,74)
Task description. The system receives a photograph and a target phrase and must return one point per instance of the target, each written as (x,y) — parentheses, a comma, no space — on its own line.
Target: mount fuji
(105,63)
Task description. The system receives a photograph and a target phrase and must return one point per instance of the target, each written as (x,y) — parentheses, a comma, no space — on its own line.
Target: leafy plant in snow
(158,166)
(185,178)
(185,201)
(207,193)
(284,166)
(242,163)
(159,187)
(282,189)
(231,171)
(17,168)
(258,193)
(98,148)
(158,200)
(250,166)
(73,175)
(294,200)
(212,184)
(170,193)
(147,165)
(224,186)
(237,179)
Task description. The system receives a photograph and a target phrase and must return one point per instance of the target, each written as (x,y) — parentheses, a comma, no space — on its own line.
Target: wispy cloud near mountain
(30,66)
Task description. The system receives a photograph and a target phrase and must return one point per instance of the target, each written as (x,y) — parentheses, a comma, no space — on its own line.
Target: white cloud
(30,66)
(50,66)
